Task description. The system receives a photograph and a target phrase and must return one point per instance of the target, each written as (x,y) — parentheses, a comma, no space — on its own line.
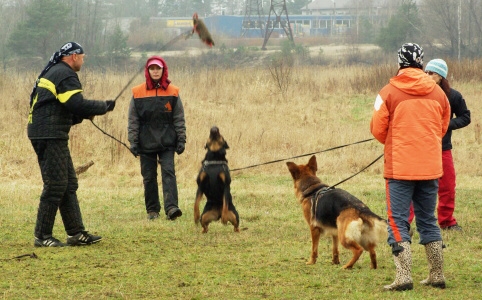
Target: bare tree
(442,20)
(474,39)
(10,15)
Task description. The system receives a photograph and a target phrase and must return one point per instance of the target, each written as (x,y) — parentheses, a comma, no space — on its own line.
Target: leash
(302,155)
(376,159)
(122,143)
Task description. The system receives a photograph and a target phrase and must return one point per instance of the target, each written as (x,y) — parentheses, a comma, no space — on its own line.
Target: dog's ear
(312,164)
(226,144)
(206,146)
(294,170)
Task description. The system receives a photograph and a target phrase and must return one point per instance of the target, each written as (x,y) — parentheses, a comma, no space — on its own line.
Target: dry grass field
(322,107)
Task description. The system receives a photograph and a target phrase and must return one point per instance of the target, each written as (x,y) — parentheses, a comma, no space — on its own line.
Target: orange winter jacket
(411,116)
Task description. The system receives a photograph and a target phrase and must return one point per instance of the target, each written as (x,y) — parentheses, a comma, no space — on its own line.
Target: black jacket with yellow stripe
(156,119)
(59,104)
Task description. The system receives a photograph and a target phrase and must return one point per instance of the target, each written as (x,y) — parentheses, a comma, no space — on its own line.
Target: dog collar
(314,189)
(214,162)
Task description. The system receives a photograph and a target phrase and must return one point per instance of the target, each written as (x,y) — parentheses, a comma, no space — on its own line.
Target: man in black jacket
(56,103)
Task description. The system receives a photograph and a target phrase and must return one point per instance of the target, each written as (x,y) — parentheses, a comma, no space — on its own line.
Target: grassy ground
(160,259)
(323,107)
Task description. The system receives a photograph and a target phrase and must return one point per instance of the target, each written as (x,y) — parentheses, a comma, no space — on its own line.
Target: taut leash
(302,155)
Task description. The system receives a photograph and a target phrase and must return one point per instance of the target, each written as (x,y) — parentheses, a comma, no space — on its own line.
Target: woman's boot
(402,256)
(435,265)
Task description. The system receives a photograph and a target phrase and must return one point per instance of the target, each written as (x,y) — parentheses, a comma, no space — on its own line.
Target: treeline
(113,29)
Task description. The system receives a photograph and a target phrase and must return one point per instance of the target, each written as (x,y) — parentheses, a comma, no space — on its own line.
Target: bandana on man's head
(71,48)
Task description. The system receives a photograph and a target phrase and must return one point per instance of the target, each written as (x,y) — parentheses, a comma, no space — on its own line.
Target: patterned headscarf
(410,55)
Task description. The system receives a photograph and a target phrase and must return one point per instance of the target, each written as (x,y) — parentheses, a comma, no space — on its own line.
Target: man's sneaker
(174,213)
(455,227)
(50,242)
(83,238)
(152,215)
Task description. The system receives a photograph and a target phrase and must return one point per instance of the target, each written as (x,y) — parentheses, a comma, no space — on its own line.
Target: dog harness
(314,199)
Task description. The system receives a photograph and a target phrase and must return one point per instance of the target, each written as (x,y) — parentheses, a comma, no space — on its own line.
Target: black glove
(110,105)
(180,148)
(134,149)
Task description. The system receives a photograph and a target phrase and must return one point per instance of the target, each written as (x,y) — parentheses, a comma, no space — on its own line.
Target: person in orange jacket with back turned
(411,116)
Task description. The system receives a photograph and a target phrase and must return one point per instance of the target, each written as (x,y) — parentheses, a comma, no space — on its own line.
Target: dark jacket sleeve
(179,121)
(76,119)
(133,124)
(459,109)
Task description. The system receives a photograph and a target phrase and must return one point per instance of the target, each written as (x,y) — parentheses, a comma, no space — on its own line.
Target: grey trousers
(423,194)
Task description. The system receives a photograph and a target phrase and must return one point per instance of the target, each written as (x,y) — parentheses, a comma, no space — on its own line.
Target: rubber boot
(435,265)
(402,256)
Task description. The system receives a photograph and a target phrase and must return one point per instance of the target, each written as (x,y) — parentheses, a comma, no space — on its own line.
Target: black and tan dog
(336,213)
(214,182)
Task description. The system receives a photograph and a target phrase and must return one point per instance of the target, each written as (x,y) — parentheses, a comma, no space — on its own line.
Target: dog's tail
(197,215)
(366,230)
(199,195)
(381,231)
(224,212)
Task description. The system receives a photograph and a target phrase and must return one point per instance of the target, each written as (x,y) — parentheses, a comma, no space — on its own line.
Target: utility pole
(333,18)
(279,11)
(252,17)
(459,21)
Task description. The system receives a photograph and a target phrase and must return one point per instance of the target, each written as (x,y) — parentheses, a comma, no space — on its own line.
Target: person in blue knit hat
(438,70)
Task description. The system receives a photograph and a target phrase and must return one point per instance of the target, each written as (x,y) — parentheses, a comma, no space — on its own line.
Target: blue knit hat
(438,66)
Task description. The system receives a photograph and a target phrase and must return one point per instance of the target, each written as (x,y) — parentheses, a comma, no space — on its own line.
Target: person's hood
(163,82)
(413,81)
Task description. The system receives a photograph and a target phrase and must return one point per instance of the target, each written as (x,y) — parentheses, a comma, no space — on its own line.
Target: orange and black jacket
(411,116)
(156,118)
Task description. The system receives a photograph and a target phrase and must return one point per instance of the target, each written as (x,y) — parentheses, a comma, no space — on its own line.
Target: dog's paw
(311,262)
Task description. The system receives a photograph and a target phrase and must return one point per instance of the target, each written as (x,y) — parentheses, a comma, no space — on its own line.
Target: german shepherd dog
(336,213)
(214,181)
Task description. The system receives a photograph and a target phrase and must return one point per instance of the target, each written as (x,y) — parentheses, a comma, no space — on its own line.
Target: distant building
(347,7)
(327,7)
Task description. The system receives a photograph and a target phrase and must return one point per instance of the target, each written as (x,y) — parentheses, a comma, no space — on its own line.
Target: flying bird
(200,28)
